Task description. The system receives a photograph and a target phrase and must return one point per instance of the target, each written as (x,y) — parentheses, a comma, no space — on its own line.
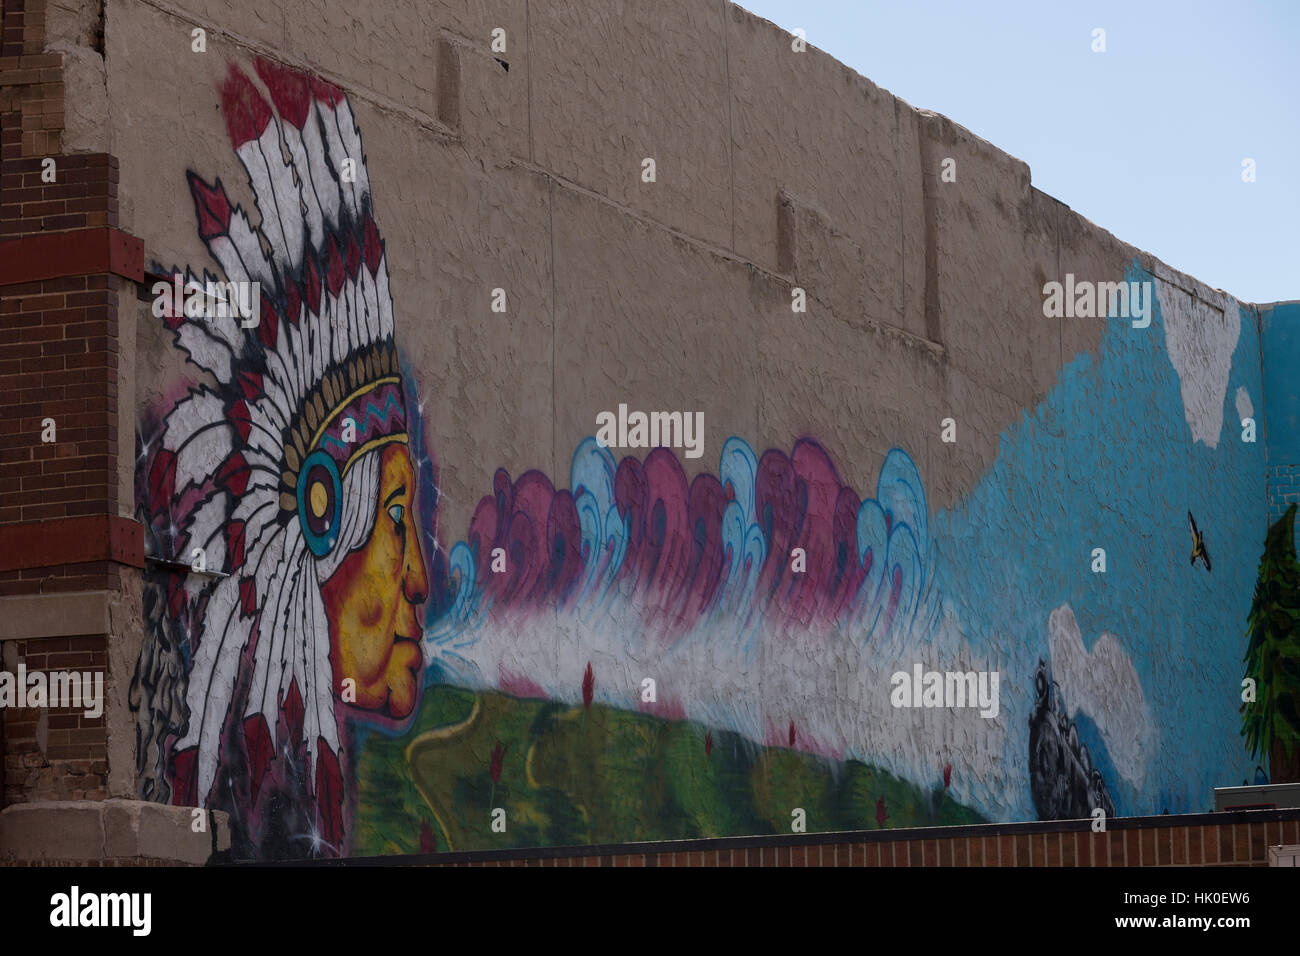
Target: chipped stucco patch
(1245,408)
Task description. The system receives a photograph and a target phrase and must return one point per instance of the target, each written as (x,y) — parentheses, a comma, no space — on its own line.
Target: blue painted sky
(1146,139)
(1083,471)
(1281,397)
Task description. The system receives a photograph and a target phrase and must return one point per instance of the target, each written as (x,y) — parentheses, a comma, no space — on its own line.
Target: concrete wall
(113,832)
(777,171)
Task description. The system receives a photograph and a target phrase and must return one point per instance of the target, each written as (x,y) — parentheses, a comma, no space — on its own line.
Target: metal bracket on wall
(182,566)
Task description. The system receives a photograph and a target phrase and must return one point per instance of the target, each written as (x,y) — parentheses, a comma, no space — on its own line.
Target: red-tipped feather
(257,740)
(233,474)
(374,248)
(354,258)
(293,302)
(325,91)
(333,267)
(250,383)
(293,710)
(248,597)
(247,114)
(311,287)
(235,544)
(268,326)
(175,594)
(290,90)
(239,415)
(211,206)
(184,767)
(329,796)
(162,479)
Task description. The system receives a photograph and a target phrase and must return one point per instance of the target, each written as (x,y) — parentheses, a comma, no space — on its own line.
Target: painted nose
(415,579)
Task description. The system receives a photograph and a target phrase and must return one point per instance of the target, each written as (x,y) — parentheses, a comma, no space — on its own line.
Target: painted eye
(395,512)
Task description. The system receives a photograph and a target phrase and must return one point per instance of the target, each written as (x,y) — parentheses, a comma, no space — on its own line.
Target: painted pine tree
(1271,723)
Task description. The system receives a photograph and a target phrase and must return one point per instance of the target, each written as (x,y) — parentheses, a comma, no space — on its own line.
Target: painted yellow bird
(1198,543)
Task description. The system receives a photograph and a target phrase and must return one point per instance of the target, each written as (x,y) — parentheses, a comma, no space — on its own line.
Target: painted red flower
(498,760)
(881,815)
(947,775)
(708,743)
(588,686)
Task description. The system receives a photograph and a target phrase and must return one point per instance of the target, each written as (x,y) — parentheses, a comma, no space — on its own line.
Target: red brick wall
(58,335)
(56,753)
(1158,842)
(83,194)
(32,89)
(58,360)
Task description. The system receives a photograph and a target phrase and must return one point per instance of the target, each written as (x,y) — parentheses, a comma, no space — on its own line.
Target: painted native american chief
(290,469)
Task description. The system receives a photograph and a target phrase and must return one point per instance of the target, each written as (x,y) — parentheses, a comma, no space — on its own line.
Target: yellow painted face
(373,598)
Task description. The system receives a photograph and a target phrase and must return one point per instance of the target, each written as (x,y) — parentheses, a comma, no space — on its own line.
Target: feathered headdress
(273,465)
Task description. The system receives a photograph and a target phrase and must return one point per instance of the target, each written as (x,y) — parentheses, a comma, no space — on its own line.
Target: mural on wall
(637,655)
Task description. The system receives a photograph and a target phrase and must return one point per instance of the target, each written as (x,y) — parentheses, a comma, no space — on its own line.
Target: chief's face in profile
(373,598)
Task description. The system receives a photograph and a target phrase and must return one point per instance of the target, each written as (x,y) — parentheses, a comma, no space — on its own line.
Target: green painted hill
(571,776)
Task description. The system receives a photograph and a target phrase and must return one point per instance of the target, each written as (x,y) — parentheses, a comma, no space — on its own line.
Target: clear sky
(1146,139)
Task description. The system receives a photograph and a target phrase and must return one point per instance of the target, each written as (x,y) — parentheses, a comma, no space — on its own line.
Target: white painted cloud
(1105,686)
(1200,339)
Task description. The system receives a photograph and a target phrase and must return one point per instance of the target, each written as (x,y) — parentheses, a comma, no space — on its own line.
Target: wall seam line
(364,94)
(731,134)
(726,255)
(528,52)
(555,458)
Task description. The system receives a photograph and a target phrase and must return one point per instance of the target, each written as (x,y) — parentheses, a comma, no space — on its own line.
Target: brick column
(65,545)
